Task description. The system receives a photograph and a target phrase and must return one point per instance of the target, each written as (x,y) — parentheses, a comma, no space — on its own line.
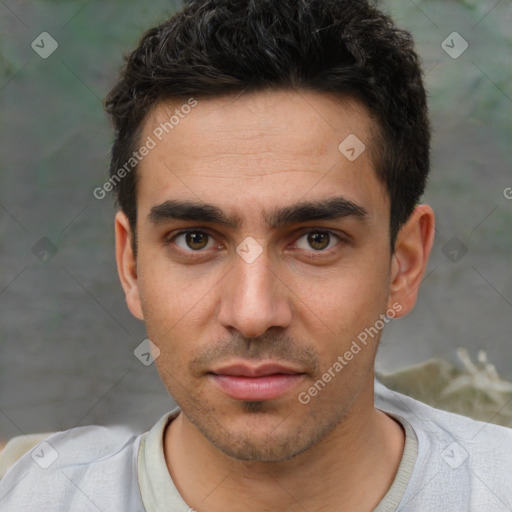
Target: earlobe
(127,265)
(409,261)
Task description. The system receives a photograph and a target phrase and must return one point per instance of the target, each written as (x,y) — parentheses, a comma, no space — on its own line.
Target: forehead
(258,150)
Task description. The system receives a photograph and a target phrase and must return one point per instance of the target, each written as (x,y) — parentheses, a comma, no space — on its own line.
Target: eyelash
(309,254)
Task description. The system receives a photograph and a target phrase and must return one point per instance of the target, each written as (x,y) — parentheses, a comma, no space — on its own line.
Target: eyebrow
(325,209)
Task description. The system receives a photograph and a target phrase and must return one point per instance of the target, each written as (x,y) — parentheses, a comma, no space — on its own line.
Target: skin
(300,304)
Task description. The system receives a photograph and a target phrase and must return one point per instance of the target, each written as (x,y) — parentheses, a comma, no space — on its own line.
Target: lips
(243,370)
(256,383)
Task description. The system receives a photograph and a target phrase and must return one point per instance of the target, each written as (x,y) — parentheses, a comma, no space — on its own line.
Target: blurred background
(67,339)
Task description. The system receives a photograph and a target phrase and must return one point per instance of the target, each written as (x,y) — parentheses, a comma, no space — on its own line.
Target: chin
(259,448)
(258,437)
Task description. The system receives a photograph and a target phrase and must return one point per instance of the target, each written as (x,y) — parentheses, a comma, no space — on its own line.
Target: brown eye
(318,240)
(192,240)
(196,240)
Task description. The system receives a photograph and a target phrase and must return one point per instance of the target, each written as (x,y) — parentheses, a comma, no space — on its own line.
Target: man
(268,163)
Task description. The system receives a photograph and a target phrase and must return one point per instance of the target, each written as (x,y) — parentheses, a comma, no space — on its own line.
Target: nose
(254,298)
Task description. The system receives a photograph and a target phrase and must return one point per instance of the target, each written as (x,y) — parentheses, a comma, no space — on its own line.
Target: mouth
(256,383)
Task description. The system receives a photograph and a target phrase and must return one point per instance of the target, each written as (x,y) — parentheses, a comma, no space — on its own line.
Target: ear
(127,265)
(409,260)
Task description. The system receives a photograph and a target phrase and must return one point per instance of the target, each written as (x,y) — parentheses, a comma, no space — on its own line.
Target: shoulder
(17,447)
(485,436)
(86,464)
(462,463)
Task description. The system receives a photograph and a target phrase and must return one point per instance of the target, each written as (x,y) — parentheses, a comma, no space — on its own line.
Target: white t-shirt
(450,464)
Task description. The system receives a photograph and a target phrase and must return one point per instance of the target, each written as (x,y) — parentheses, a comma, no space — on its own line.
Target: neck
(352,467)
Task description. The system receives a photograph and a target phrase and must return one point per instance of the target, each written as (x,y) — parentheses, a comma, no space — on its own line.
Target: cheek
(171,292)
(346,325)
(351,297)
(177,307)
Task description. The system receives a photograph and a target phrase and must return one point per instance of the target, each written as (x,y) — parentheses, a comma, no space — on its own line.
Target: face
(263,254)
